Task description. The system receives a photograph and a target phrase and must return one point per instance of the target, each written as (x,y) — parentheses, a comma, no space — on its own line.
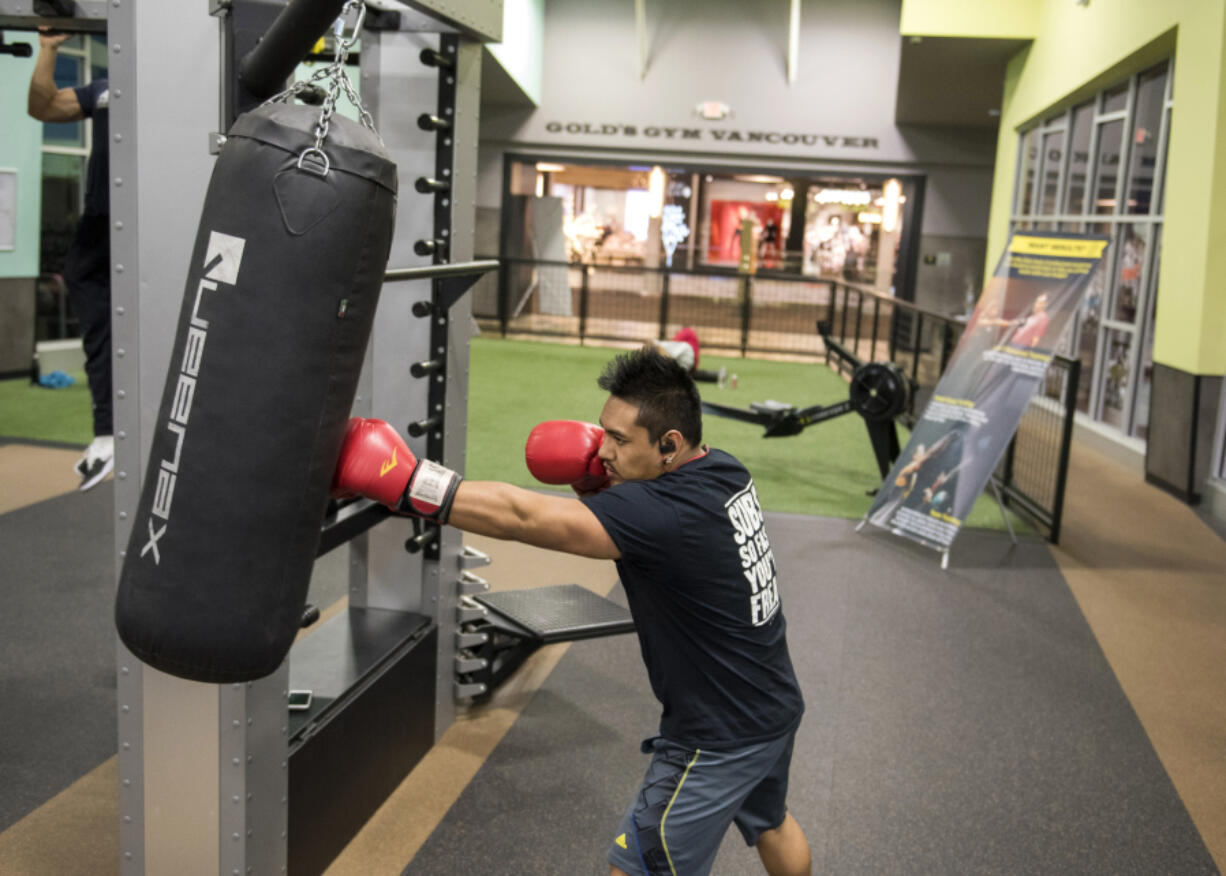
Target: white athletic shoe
(97,463)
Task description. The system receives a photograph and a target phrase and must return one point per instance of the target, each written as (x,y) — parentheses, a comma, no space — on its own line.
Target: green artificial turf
(826,470)
(513,385)
(28,410)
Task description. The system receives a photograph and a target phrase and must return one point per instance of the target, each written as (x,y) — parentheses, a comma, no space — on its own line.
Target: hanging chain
(337,78)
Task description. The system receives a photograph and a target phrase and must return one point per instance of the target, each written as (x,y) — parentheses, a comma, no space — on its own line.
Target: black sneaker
(95,471)
(97,463)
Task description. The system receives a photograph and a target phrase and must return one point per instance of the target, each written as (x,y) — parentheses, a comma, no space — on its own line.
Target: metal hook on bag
(314,168)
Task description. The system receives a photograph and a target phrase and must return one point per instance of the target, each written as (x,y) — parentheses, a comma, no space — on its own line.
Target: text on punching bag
(221,263)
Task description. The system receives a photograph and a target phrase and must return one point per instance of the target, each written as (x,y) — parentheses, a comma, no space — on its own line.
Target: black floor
(58,643)
(959,722)
(57,646)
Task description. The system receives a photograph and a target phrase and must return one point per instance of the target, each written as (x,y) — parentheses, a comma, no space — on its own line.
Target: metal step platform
(518,622)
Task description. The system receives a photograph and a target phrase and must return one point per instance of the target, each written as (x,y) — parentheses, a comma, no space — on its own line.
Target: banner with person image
(995,370)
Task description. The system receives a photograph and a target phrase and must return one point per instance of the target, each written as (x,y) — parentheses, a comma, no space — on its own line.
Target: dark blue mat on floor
(57,646)
(958,722)
(58,643)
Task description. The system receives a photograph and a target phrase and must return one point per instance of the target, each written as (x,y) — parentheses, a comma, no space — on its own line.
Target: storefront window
(1107,137)
(747,214)
(1085,340)
(1079,158)
(1146,376)
(1115,99)
(1146,125)
(1115,376)
(1028,162)
(63,190)
(592,214)
(1108,162)
(1162,189)
(1130,258)
(830,226)
(1053,152)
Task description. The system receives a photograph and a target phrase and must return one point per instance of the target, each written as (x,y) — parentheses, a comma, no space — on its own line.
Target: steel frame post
(451,561)
(584,299)
(947,345)
(746,311)
(843,318)
(1066,446)
(87,16)
(203,768)
(876,315)
(396,87)
(859,317)
(664,275)
(177,795)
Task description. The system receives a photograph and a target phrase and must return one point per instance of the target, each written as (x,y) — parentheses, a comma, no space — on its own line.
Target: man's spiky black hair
(664,392)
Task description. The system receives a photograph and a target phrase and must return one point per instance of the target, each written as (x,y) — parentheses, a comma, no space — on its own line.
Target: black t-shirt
(95,100)
(700,579)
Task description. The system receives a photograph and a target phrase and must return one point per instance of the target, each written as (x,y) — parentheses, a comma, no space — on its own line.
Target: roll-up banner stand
(996,368)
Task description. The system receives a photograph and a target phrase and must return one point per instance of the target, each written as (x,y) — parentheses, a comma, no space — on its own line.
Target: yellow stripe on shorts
(664,817)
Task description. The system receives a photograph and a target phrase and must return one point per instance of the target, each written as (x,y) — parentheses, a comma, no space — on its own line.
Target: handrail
(433,272)
(733,273)
(266,67)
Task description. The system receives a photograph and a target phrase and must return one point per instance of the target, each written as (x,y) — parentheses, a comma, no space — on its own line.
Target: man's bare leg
(785,851)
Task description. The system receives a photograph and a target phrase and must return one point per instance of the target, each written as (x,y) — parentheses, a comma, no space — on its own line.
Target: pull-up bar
(264,69)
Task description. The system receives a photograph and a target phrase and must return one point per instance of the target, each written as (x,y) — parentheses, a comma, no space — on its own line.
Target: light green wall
(521,49)
(1079,49)
(304,72)
(996,19)
(20,146)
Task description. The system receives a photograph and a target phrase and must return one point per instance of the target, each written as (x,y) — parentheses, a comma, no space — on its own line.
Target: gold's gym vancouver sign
(721,135)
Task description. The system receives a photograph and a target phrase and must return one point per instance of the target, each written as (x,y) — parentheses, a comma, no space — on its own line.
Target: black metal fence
(1034,473)
(769,314)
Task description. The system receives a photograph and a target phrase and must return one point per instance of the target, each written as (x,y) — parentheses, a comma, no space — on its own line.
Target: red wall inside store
(725,243)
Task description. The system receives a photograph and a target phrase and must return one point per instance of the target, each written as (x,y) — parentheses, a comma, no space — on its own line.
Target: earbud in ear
(667,447)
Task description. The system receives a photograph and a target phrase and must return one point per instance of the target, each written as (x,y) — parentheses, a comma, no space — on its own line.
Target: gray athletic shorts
(688,798)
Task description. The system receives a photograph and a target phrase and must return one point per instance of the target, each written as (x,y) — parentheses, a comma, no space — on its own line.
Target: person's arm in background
(46,102)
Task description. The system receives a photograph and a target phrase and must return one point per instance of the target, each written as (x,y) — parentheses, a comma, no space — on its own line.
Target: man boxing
(684,526)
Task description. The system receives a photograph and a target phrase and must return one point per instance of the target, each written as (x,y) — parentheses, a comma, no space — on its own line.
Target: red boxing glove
(565,452)
(376,462)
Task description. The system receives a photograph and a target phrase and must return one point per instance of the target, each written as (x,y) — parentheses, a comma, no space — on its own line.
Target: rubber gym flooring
(1029,711)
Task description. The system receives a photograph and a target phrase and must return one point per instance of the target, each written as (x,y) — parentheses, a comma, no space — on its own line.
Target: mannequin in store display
(768,246)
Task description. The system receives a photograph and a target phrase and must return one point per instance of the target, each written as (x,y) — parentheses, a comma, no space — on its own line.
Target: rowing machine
(879,392)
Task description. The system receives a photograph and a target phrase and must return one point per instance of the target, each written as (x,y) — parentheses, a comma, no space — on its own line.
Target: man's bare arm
(503,511)
(46,102)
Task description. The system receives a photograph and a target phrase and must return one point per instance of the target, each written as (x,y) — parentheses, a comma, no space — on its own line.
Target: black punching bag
(280,298)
